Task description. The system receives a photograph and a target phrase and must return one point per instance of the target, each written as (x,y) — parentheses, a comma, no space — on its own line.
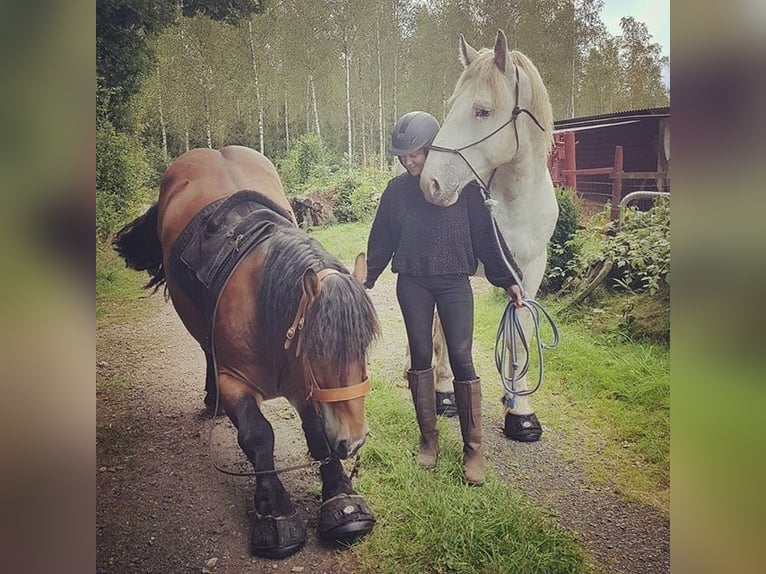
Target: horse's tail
(139,245)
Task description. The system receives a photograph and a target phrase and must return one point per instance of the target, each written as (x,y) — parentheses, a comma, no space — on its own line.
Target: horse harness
(517,111)
(212,245)
(216,240)
(314,392)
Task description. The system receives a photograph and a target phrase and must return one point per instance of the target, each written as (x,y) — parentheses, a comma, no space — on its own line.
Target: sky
(654,13)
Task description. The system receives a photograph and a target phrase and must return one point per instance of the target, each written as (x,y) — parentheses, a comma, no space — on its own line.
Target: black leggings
(453,298)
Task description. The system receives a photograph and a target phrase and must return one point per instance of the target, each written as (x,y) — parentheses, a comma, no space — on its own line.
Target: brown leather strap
(297,324)
(314,392)
(300,315)
(342,393)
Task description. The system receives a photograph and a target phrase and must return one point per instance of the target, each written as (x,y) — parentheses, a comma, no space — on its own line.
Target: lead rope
(510,330)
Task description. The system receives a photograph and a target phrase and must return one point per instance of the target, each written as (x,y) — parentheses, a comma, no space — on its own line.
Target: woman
(435,250)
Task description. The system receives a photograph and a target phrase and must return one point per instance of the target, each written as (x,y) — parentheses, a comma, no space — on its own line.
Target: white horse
(498,131)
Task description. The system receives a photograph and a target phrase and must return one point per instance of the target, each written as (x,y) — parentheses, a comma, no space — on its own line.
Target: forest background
(317,85)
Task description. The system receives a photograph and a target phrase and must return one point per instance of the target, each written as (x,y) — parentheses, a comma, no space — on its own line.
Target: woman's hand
(514,292)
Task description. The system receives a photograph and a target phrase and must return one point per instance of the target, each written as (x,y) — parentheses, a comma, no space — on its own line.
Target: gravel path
(162,508)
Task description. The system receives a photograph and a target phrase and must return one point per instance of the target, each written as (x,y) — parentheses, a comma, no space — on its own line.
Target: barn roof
(612,119)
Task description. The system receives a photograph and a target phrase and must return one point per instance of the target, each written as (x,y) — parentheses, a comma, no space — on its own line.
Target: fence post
(616,183)
(571,161)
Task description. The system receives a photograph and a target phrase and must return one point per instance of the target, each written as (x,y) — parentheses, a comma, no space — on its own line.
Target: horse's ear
(467,53)
(360,268)
(310,283)
(501,50)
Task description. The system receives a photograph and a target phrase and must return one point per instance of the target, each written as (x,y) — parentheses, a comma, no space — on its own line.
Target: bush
(639,250)
(123,177)
(307,156)
(562,250)
(357,195)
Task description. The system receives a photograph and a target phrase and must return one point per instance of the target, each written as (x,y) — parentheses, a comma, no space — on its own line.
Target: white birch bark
(348,103)
(287,126)
(258,100)
(395,10)
(380,97)
(314,105)
(163,127)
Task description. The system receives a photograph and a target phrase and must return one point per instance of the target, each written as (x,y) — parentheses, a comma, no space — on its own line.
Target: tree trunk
(572,90)
(364,140)
(314,104)
(348,102)
(163,127)
(308,104)
(257,87)
(395,10)
(287,127)
(362,115)
(380,97)
(208,130)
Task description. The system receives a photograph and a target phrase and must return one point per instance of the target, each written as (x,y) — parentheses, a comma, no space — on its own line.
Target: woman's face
(414,161)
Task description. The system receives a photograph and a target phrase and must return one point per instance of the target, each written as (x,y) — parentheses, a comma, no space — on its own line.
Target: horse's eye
(482,113)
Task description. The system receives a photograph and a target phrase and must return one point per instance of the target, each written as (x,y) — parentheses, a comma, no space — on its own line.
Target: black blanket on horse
(210,246)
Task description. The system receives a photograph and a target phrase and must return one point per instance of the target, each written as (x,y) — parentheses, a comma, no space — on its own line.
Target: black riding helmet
(413,131)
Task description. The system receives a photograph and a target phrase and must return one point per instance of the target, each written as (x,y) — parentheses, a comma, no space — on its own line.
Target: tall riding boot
(468,396)
(424,399)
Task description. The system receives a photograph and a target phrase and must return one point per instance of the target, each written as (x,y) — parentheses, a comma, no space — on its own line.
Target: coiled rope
(509,335)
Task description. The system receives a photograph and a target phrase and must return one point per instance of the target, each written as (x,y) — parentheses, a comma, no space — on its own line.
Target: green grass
(429,521)
(345,240)
(607,394)
(118,289)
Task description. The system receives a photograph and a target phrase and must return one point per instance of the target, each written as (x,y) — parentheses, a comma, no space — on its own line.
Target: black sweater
(426,239)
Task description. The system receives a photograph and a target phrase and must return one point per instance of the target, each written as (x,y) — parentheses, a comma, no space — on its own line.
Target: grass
(429,521)
(118,289)
(607,394)
(345,240)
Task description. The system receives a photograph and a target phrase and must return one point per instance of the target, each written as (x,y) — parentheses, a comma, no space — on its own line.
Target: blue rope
(508,333)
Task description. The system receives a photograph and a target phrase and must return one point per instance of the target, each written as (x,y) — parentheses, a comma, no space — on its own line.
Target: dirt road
(162,508)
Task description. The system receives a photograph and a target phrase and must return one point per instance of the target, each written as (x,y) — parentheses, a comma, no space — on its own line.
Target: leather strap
(342,393)
(300,315)
(315,393)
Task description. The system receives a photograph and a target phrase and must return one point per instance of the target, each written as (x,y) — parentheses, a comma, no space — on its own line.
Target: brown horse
(276,315)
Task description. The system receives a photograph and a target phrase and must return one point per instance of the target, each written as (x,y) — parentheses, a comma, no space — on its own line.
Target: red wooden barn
(614,154)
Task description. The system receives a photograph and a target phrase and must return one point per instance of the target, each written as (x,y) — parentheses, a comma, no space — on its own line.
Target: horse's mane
(340,324)
(500,86)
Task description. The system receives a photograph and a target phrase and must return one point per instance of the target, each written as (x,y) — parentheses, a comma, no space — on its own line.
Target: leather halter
(517,111)
(313,390)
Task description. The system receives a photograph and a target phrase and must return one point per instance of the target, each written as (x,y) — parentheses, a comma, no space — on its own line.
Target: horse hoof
(277,536)
(345,518)
(523,428)
(445,404)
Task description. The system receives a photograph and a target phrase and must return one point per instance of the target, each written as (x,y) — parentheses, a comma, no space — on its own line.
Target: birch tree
(642,63)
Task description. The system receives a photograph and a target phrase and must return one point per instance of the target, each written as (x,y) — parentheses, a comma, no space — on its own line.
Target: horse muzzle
(435,193)
(346,448)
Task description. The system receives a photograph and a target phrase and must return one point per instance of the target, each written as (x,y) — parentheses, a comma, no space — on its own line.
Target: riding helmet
(413,131)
